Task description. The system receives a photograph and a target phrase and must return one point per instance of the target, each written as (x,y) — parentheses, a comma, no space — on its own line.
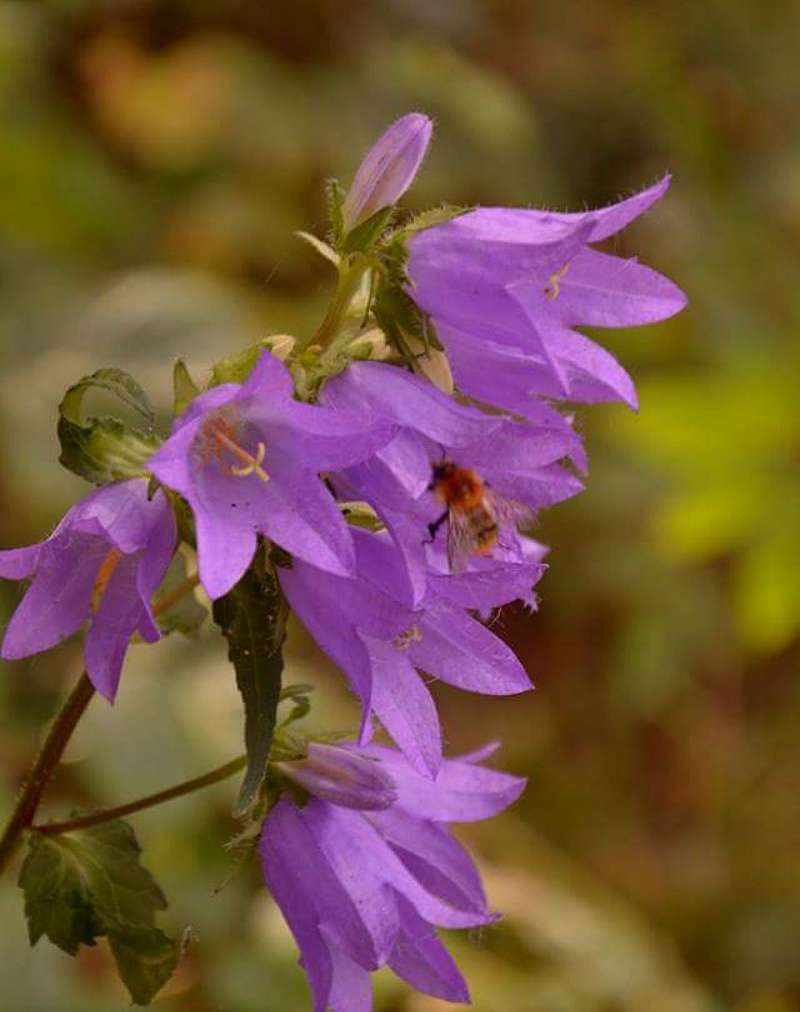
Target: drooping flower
(504,287)
(380,644)
(364,889)
(247,459)
(521,462)
(102,563)
(388,169)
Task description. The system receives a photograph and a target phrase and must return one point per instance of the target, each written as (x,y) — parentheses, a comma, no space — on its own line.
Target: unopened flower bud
(388,169)
(342,776)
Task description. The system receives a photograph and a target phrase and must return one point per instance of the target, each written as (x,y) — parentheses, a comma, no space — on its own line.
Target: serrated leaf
(184,388)
(85,883)
(252,618)
(57,899)
(186,615)
(146,959)
(121,384)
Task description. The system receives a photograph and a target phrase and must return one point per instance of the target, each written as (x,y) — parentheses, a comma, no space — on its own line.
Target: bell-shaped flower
(102,563)
(247,459)
(517,462)
(364,889)
(388,169)
(380,644)
(506,286)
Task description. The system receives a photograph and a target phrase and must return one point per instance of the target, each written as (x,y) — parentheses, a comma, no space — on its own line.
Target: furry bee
(474,513)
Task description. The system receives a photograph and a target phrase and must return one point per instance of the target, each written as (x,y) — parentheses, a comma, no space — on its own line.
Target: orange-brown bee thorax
(460,488)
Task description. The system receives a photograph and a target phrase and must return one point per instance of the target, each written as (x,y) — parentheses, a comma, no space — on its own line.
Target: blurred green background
(155,157)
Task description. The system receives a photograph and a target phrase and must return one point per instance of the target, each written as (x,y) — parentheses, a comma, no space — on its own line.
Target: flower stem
(58,737)
(187,787)
(44,767)
(349,279)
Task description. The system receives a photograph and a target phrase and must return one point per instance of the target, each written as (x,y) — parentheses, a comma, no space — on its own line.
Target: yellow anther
(553,286)
(103,578)
(254,466)
(251,464)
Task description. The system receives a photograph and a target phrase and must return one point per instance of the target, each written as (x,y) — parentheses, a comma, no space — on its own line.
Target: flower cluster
(393,514)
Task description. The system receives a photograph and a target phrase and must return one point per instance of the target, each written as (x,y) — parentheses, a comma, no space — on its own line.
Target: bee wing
(511,513)
(460,539)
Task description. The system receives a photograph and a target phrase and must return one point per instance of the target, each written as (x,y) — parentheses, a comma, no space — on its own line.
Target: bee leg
(434,527)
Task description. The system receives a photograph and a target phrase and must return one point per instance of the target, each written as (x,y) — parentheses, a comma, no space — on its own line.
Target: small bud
(342,776)
(281,345)
(388,169)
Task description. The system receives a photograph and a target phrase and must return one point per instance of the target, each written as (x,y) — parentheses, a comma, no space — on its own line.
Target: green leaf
(88,883)
(187,615)
(57,898)
(103,449)
(252,618)
(184,388)
(146,959)
(122,385)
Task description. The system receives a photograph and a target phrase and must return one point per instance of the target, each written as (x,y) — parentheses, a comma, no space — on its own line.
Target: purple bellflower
(247,459)
(362,887)
(380,644)
(505,287)
(388,169)
(520,462)
(102,563)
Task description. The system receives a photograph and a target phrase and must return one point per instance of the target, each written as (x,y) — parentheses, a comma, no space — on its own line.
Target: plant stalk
(149,801)
(57,739)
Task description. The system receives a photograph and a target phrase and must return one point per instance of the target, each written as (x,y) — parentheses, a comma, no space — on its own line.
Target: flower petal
(458,650)
(113,624)
(57,602)
(404,706)
(420,958)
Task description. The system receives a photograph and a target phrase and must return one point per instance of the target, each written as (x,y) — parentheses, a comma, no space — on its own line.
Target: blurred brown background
(155,157)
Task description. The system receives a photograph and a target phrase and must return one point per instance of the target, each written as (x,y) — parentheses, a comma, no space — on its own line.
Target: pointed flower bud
(342,776)
(388,169)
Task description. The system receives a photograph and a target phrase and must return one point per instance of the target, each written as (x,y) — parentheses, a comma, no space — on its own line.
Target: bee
(475,514)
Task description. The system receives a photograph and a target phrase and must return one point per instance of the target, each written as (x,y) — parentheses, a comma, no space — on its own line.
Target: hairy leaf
(252,618)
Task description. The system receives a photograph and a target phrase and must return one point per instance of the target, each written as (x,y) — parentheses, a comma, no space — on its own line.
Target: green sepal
(335,197)
(252,618)
(184,388)
(185,616)
(103,449)
(365,236)
(236,368)
(325,251)
(431,217)
(85,884)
